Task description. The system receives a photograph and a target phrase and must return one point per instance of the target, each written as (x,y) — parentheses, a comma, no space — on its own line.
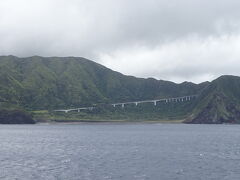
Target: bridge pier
(155,103)
(136,103)
(123,105)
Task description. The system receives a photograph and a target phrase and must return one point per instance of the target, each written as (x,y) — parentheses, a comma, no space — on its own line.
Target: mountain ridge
(219,102)
(83,76)
(48,83)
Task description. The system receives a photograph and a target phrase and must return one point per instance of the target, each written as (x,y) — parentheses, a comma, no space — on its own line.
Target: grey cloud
(106,30)
(194,59)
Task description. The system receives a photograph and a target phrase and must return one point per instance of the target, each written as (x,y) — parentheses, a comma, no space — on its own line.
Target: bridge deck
(172,99)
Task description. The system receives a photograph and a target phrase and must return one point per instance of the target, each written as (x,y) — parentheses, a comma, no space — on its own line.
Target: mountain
(42,84)
(38,83)
(219,102)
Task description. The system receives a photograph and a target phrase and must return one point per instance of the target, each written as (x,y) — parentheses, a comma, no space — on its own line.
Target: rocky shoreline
(15,117)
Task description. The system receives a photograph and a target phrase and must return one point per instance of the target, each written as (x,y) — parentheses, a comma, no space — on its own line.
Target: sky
(177,40)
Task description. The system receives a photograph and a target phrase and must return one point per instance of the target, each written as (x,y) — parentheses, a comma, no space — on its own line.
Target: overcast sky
(178,40)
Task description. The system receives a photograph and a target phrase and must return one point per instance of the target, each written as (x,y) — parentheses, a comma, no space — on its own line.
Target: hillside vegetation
(49,83)
(41,85)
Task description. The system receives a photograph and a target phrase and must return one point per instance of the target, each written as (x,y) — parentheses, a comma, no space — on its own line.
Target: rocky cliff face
(218,103)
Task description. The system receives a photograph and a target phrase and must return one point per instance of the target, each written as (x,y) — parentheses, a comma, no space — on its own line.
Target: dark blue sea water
(120,151)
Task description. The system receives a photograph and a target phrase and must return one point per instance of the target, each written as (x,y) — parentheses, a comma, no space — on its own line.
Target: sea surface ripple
(120,152)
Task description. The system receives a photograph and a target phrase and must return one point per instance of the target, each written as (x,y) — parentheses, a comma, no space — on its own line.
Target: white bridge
(122,104)
(76,109)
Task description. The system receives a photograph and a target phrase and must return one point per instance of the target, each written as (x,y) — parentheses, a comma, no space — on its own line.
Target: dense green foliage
(49,83)
(38,83)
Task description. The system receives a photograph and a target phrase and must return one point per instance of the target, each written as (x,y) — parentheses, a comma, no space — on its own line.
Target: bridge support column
(155,103)
(78,110)
(114,105)
(136,103)
(123,105)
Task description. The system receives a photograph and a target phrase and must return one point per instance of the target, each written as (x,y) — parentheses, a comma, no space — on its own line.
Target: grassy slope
(38,83)
(163,111)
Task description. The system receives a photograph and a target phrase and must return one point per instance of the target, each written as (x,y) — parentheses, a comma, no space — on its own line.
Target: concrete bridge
(154,101)
(76,109)
(122,104)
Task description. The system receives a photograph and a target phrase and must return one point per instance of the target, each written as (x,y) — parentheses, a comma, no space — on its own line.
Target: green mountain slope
(219,102)
(39,83)
(36,83)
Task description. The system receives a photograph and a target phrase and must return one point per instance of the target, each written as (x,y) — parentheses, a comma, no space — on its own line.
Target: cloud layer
(193,40)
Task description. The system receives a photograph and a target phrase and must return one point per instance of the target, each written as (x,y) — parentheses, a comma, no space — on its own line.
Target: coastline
(112,122)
